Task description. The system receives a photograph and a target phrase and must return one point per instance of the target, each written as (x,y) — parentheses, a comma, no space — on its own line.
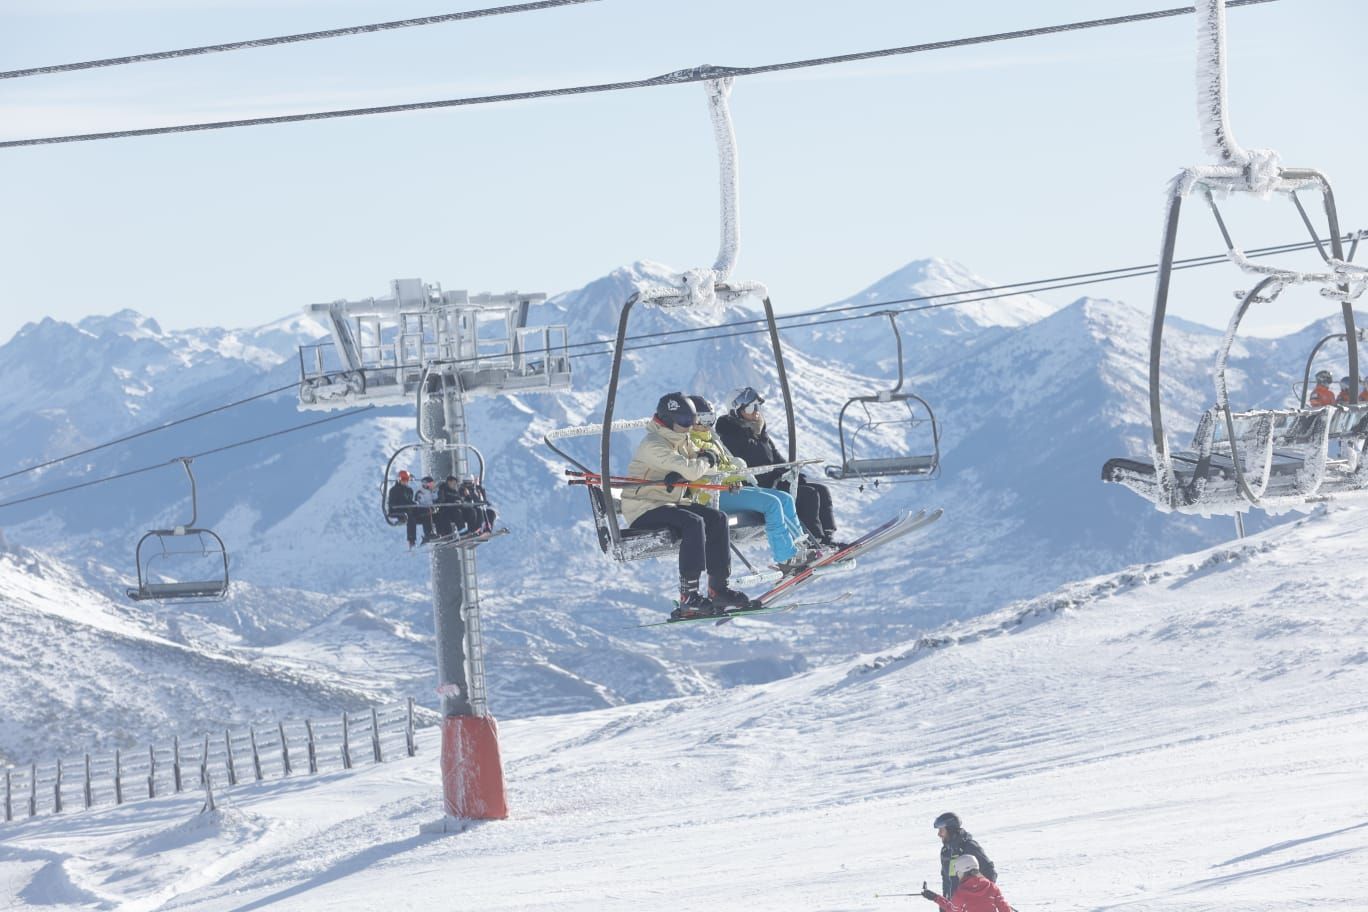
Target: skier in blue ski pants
(782,527)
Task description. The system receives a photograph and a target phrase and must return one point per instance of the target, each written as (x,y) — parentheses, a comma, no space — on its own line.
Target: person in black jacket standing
(956,841)
(744,434)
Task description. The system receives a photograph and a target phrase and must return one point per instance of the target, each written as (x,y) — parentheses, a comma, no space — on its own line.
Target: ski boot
(694,605)
(799,562)
(724,597)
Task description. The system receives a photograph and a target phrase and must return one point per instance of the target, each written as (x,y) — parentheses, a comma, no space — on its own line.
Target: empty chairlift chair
(904,414)
(184,563)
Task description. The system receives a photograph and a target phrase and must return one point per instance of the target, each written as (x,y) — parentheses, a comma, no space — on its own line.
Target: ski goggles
(747,398)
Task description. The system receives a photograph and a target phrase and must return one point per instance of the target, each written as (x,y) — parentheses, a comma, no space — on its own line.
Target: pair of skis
(468,540)
(777,597)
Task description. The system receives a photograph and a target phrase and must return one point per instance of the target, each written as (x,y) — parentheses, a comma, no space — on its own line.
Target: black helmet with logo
(675,409)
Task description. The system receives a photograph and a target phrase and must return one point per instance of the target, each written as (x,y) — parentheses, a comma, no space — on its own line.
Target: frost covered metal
(382,348)
(710,287)
(1272,459)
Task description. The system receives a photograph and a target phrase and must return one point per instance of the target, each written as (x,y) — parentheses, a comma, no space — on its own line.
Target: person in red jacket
(1343,397)
(1322,396)
(975,892)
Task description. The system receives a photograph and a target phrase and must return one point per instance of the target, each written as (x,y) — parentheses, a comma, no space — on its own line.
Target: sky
(1021,160)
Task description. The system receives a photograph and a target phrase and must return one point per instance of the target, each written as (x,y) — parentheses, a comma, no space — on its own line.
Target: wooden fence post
(375,736)
(86,791)
(256,754)
(313,750)
(9,800)
(175,763)
(118,777)
(151,771)
(208,794)
(228,751)
(33,790)
(284,750)
(57,791)
(346,744)
(204,760)
(412,744)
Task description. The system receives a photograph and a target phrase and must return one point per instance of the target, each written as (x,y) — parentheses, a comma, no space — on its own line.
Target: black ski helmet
(947,820)
(675,408)
(1324,377)
(706,414)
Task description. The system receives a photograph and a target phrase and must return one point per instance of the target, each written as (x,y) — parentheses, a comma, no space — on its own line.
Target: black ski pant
(471,517)
(704,539)
(814,507)
(415,517)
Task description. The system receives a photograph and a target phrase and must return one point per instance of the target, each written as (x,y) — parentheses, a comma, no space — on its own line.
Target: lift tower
(438,349)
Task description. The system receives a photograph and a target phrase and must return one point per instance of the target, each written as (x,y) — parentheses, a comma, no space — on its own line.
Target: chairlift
(913,417)
(698,289)
(387,481)
(1272,459)
(178,549)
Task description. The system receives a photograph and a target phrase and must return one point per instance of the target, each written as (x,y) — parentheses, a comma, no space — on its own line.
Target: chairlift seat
(206,589)
(889,466)
(638,544)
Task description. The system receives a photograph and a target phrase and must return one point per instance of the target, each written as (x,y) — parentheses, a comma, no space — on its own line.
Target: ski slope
(1186,735)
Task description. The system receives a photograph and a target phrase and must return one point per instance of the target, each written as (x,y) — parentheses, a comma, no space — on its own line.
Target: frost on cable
(706,288)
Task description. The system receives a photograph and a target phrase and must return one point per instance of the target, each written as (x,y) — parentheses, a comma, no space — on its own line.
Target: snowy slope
(83,673)
(1184,735)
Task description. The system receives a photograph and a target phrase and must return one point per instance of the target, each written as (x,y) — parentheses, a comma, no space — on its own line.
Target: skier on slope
(400,503)
(742,431)
(955,842)
(787,539)
(975,892)
(667,456)
(1322,396)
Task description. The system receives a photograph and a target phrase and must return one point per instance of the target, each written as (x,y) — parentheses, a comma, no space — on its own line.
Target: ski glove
(671,480)
(928,894)
(709,457)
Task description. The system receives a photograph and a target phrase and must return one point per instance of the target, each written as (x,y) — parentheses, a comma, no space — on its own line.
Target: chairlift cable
(997,291)
(290,39)
(678,77)
(230,446)
(146,431)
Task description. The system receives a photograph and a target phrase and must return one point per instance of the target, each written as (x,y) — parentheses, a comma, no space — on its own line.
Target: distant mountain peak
(942,278)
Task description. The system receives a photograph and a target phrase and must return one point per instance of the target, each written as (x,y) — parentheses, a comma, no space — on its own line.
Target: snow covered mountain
(1032,401)
(1087,737)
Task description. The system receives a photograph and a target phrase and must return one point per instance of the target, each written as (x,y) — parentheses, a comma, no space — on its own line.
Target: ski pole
(627,481)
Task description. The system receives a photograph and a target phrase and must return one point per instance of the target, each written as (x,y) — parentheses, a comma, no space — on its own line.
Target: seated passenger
(742,430)
(787,539)
(1321,395)
(667,458)
(1343,397)
(400,503)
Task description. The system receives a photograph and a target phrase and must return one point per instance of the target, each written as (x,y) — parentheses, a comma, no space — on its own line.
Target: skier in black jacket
(400,503)
(956,841)
(744,434)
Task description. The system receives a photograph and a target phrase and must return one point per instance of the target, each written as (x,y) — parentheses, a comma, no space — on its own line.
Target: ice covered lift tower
(438,349)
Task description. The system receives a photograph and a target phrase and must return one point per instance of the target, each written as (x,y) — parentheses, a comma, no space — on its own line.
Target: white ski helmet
(963,865)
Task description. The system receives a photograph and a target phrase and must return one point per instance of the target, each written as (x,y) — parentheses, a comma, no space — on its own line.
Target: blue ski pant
(781,516)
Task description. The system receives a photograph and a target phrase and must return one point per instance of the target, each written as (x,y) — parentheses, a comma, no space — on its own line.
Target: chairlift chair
(915,417)
(1272,459)
(176,547)
(698,289)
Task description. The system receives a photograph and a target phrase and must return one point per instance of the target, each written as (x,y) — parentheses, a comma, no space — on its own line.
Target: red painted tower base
(472,770)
